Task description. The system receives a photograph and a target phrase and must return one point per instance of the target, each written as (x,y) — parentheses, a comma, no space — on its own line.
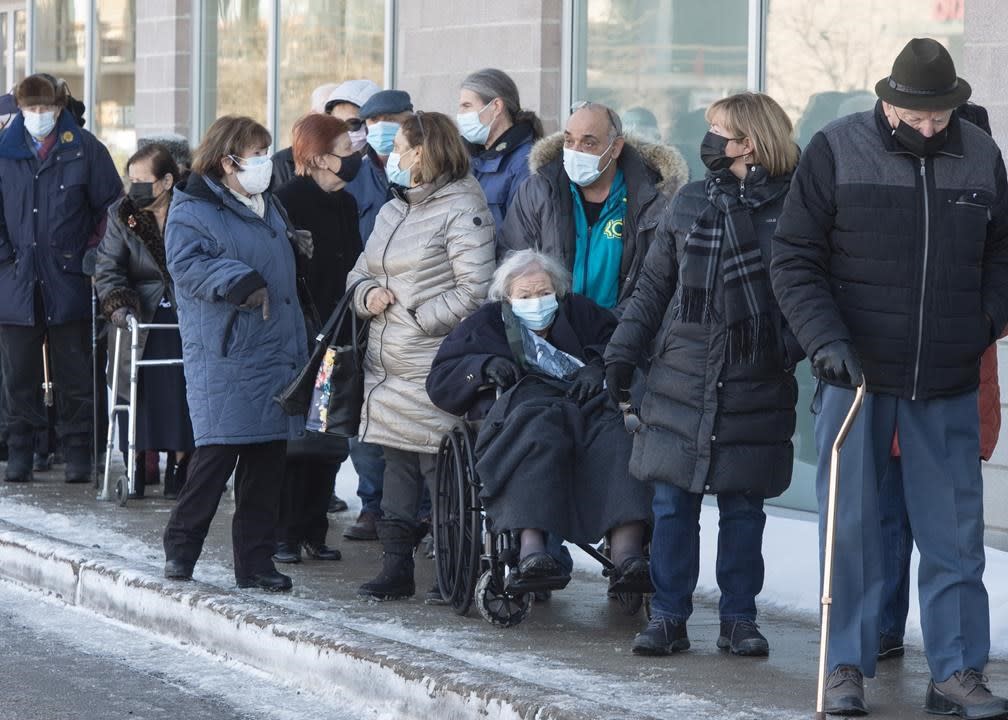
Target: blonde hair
(758,117)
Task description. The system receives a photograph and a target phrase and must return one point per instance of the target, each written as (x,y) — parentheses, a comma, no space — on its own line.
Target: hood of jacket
(638,155)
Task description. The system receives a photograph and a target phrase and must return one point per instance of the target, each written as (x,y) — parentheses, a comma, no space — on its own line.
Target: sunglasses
(354,124)
(631,420)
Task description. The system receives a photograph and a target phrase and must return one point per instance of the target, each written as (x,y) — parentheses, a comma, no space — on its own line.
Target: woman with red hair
(316,202)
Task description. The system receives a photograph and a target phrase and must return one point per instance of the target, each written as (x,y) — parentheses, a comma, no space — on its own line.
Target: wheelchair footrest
(518,585)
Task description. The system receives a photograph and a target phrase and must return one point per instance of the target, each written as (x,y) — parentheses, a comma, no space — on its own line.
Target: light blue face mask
(397,175)
(471,128)
(381,136)
(535,313)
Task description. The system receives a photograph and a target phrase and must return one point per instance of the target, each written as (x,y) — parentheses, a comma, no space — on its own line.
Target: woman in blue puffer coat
(229,250)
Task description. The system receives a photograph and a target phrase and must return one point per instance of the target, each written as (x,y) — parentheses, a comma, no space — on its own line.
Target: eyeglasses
(419,118)
(614,120)
(631,420)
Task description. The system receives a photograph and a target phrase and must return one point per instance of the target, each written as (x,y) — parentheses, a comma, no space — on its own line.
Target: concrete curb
(294,648)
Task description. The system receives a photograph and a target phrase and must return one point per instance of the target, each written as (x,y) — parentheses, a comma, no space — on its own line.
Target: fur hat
(41,89)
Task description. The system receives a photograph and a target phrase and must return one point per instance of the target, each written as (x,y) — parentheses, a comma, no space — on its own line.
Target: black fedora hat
(924,78)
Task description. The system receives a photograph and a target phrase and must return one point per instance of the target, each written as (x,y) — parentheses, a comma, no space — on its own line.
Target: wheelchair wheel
(459,522)
(496,606)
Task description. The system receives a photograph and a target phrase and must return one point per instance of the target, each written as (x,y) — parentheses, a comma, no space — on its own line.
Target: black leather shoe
(845,692)
(538,565)
(287,553)
(321,551)
(336,505)
(270,580)
(662,636)
(434,596)
(177,570)
(742,637)
(890,647)
(632,576)
(42,462)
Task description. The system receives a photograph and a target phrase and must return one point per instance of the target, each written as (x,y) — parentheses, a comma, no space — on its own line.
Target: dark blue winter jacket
(52,212)
(502,168)
(371,190)
(219,252)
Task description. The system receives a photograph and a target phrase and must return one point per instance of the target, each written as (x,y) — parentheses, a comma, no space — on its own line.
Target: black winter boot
(77,450)
(19,459)
(395,581)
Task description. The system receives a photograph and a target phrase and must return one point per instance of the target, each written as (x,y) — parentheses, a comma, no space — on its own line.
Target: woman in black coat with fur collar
(131,278)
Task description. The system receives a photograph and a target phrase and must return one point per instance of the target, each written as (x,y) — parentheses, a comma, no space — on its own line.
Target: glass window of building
(325,41)
(660,63)
(60,41)
(822,62)
(20,46)
(233,65)
(111,119)
(5,49)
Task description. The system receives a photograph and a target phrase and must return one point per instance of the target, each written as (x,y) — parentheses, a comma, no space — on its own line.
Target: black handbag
(295,399)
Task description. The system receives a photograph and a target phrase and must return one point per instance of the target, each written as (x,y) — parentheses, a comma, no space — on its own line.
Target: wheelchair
(476,564)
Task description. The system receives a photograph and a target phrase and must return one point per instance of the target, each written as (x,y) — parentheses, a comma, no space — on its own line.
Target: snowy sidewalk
(570,658)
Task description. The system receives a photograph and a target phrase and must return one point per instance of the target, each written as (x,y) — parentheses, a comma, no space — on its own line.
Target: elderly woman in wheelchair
(551,453)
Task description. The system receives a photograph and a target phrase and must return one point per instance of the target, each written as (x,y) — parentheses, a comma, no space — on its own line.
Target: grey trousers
(405,475)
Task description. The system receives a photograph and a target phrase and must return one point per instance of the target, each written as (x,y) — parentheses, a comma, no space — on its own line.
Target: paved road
(59,663)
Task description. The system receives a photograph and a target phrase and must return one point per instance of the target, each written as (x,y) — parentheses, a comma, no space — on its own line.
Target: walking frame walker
(127,483)
(830,549)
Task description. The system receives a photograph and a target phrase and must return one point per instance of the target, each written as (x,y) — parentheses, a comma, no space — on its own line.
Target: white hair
(525,262)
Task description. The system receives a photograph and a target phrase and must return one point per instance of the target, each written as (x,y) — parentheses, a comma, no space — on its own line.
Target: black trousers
(258,489)
(70,372)
(406,475)
(308,484)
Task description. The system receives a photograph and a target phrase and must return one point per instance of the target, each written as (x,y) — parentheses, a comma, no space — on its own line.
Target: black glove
(258,298)
(119,316)
(501,372)
(619,376)
(587,384)
(837,362)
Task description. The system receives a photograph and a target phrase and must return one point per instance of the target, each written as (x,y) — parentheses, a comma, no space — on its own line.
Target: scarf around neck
(722,245)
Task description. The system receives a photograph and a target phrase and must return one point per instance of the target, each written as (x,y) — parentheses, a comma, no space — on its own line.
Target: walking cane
(96,387)
(47,386)
(827,589)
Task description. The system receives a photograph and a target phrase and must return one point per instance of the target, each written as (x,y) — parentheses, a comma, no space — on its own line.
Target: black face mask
(349,167)
(916,143)
(712,152)
(142,194)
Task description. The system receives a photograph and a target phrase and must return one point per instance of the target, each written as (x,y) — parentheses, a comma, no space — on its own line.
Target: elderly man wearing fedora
(891,266)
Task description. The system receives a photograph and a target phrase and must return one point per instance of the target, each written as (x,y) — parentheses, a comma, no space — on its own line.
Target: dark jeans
(675,553)
(369,462)
(258,490)
(897,545)
(70,373)
(308,485)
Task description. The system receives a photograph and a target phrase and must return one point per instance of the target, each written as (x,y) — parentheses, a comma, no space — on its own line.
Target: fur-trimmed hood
(663,159)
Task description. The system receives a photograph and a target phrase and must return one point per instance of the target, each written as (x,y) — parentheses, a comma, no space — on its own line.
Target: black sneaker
(434,596)
(662,636)
(270,580)
(742,637)
(964,694)
(845,692)
(890,647)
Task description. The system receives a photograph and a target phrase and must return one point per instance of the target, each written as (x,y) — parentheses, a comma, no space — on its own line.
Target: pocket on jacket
(971,213)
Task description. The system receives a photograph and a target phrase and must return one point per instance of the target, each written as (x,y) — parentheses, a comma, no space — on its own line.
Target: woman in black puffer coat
(719,403)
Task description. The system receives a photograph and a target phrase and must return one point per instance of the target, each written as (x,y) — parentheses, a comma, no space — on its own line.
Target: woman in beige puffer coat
(426,267)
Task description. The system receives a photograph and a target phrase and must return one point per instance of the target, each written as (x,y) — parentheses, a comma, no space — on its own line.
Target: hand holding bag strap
(296,397)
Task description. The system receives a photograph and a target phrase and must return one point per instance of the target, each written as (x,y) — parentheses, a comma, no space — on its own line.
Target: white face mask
(39,125)
(471,128)
(582,168)
(254,173)
(358,139)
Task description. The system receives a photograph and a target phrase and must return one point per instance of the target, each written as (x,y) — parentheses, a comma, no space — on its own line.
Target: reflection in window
(660,63)
(822,62)
(112,117)
(234,59)
(842,50)
(20,45)
(326,41)
(60,41)
(4,50)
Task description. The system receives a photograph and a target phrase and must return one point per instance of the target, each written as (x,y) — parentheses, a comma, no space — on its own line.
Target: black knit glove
(501,372)
(837,362)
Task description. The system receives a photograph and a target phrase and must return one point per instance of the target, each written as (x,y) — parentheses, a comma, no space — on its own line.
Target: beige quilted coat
(435,252)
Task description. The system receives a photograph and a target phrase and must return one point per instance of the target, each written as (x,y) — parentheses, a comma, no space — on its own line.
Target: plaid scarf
(722,245)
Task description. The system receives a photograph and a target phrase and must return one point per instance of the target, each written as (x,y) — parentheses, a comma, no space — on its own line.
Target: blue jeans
(369,462)
(897,544)
(675,553)
(940,444)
